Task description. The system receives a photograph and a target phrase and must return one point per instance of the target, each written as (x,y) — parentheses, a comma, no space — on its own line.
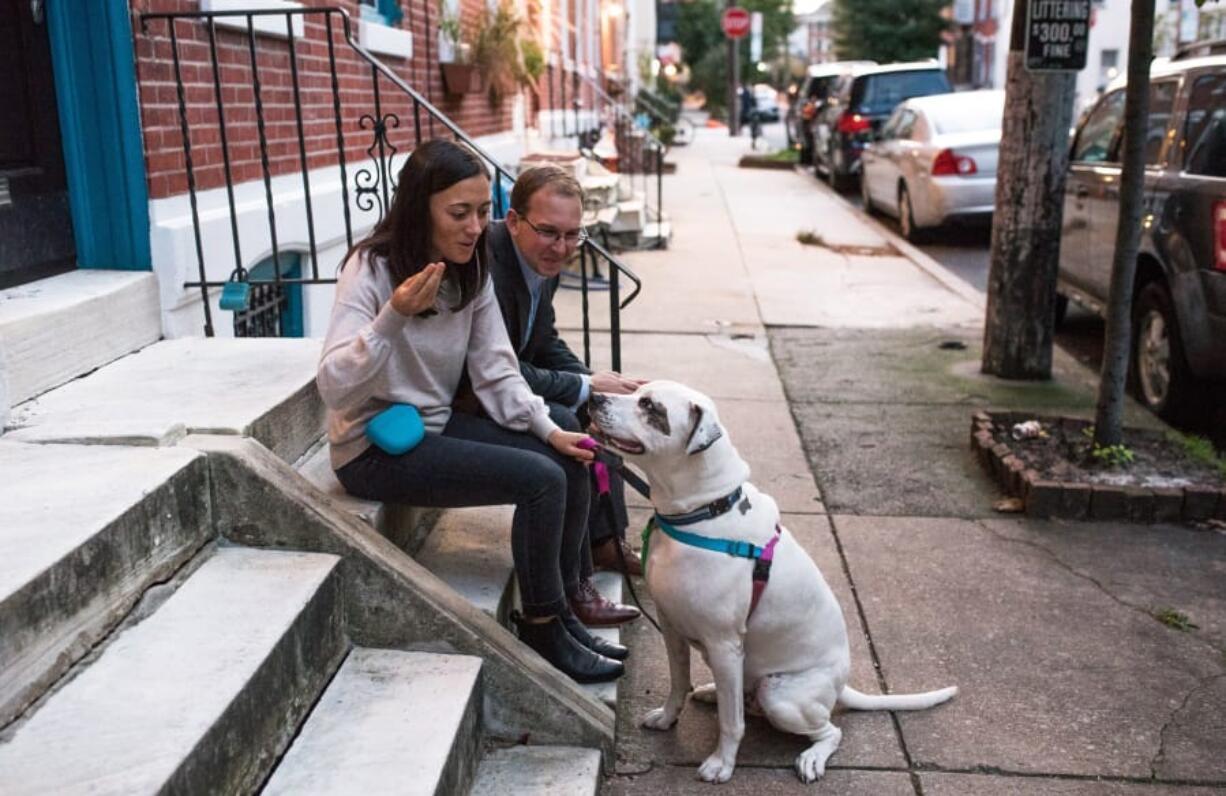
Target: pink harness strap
(762,569)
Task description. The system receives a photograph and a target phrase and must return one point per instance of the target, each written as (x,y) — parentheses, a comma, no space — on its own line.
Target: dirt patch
(808,237)
(1056,472)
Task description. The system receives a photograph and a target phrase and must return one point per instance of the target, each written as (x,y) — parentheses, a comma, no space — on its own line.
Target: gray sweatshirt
(374,357)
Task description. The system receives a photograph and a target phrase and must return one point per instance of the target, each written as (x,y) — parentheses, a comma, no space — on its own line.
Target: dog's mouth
(630,446)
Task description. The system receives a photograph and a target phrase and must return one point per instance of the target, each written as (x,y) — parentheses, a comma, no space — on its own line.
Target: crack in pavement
(1088,577)
(1170,721)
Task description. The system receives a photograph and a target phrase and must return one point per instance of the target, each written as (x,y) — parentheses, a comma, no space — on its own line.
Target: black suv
(1179,300)
(858,105)
(807,98)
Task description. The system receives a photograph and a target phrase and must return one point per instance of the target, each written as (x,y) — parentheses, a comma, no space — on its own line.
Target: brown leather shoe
(604,556)
(593,610)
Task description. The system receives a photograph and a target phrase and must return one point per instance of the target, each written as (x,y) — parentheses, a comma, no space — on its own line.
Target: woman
(414,307)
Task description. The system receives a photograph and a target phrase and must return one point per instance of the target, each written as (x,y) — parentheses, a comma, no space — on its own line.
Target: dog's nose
(597,400)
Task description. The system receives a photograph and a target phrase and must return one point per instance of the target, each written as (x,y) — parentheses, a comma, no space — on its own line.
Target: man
(543,227)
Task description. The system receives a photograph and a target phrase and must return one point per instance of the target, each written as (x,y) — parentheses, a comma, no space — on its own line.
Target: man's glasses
(552,236)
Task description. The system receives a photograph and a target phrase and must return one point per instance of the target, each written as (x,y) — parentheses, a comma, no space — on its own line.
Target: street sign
(735,22)
(1057,35)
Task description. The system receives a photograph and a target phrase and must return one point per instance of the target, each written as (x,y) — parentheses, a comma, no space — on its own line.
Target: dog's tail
(851,698)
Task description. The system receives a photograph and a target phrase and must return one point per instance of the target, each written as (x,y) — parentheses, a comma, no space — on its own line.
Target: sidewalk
(827,366)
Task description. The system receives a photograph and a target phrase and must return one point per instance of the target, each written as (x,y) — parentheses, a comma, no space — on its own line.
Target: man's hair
(538,178)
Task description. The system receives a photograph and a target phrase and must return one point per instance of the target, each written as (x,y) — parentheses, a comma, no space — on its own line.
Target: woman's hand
(416,294)
(567,444)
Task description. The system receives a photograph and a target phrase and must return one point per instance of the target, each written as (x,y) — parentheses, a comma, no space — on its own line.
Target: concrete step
(390,723)
(610,585)
(262,388)
(199,697)
(49,329)
(538,771)
(84,530)
(656,231)
(407,526)
(631,216)
(470,550)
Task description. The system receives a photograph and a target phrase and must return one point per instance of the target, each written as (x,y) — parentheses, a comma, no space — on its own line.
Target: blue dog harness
(762,557)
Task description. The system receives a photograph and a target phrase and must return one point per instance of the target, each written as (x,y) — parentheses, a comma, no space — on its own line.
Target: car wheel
(834,174)
(906,217)
(1161,378)
(865,198)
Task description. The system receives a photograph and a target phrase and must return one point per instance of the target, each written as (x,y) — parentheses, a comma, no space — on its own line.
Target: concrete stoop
(49,328)
(140,657)
(262,388)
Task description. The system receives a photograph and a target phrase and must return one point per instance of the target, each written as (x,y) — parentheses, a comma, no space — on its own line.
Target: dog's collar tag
(744,506)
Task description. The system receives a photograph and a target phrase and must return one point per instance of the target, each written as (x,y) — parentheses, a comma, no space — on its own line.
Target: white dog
(789,657)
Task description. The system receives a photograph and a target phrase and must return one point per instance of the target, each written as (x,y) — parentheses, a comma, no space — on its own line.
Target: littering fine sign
(1057,35)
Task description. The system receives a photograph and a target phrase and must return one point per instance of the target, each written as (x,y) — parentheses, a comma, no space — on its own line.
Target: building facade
(276,135)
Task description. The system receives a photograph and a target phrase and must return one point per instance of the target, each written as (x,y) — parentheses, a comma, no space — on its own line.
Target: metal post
(734,75)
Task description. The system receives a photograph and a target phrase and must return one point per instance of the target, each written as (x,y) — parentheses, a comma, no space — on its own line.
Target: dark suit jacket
(549,366)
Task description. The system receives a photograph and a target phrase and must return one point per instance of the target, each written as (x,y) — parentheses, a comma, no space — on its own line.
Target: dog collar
(707,512)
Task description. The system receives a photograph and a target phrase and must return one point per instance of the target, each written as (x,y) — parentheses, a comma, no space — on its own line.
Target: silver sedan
(934,160)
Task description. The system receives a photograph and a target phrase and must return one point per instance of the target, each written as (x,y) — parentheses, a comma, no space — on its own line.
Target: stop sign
(735,22)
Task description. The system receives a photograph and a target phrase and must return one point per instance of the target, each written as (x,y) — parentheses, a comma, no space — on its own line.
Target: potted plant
(455,55)
(496,50)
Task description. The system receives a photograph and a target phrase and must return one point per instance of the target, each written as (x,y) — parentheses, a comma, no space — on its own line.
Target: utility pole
(1034,149)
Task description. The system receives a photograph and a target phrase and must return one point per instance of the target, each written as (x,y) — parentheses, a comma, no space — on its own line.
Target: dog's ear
(704,431)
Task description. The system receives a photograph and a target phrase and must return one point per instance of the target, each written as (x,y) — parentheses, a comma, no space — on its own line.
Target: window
(1108,66)
(1099,137)
(1161,101)
(880,93)
(1205,130)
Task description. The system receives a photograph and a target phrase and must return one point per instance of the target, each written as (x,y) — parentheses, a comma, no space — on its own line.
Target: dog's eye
(645,403)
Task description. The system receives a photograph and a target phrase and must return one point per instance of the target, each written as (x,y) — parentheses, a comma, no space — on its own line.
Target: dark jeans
(598,525)
(476,462)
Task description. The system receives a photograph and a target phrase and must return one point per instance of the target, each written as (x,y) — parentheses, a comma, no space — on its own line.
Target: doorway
(36,231)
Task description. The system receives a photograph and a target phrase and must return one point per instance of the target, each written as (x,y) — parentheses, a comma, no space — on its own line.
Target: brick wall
(164,146)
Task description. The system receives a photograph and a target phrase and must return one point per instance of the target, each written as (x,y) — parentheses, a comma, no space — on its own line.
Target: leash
(601,467)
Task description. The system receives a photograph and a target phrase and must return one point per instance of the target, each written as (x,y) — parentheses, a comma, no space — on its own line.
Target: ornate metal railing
(393,106)
(645,160)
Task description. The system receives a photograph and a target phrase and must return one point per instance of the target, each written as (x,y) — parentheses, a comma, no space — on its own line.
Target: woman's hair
(401,239)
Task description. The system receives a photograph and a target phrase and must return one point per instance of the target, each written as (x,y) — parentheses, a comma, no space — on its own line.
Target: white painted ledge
(264,25)
(384,40)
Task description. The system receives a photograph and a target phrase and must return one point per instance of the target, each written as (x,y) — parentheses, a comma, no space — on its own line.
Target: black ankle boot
(552,642)
(596,644)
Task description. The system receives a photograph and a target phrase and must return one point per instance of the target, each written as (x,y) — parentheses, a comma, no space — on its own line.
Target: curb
(1045,498)
(928,265)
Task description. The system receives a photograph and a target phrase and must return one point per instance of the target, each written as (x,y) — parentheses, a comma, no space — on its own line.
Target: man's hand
(416,294)
(609,382)
(567,444)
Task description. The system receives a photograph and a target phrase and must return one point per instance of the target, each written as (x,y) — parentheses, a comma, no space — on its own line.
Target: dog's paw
(705,694)
(810,765)
(659,719)
(715,769)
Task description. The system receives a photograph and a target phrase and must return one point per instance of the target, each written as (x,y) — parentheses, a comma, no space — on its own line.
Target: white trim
(264,26)
(173,244)
(384,39)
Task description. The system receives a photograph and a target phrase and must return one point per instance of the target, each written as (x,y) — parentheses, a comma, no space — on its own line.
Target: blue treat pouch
(397,429)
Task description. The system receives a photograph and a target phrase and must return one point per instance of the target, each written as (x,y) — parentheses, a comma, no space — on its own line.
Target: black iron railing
(393,103)
(640,153)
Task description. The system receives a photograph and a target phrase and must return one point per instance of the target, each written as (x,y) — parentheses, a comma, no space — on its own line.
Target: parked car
(934,161)
(859,104)
(809,98)
(767,101)
(1179,296)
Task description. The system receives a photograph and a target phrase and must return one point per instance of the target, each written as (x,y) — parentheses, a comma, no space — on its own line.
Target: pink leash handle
(598,467)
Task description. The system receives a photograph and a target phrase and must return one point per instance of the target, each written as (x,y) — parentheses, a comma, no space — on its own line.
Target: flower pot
(462,79)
